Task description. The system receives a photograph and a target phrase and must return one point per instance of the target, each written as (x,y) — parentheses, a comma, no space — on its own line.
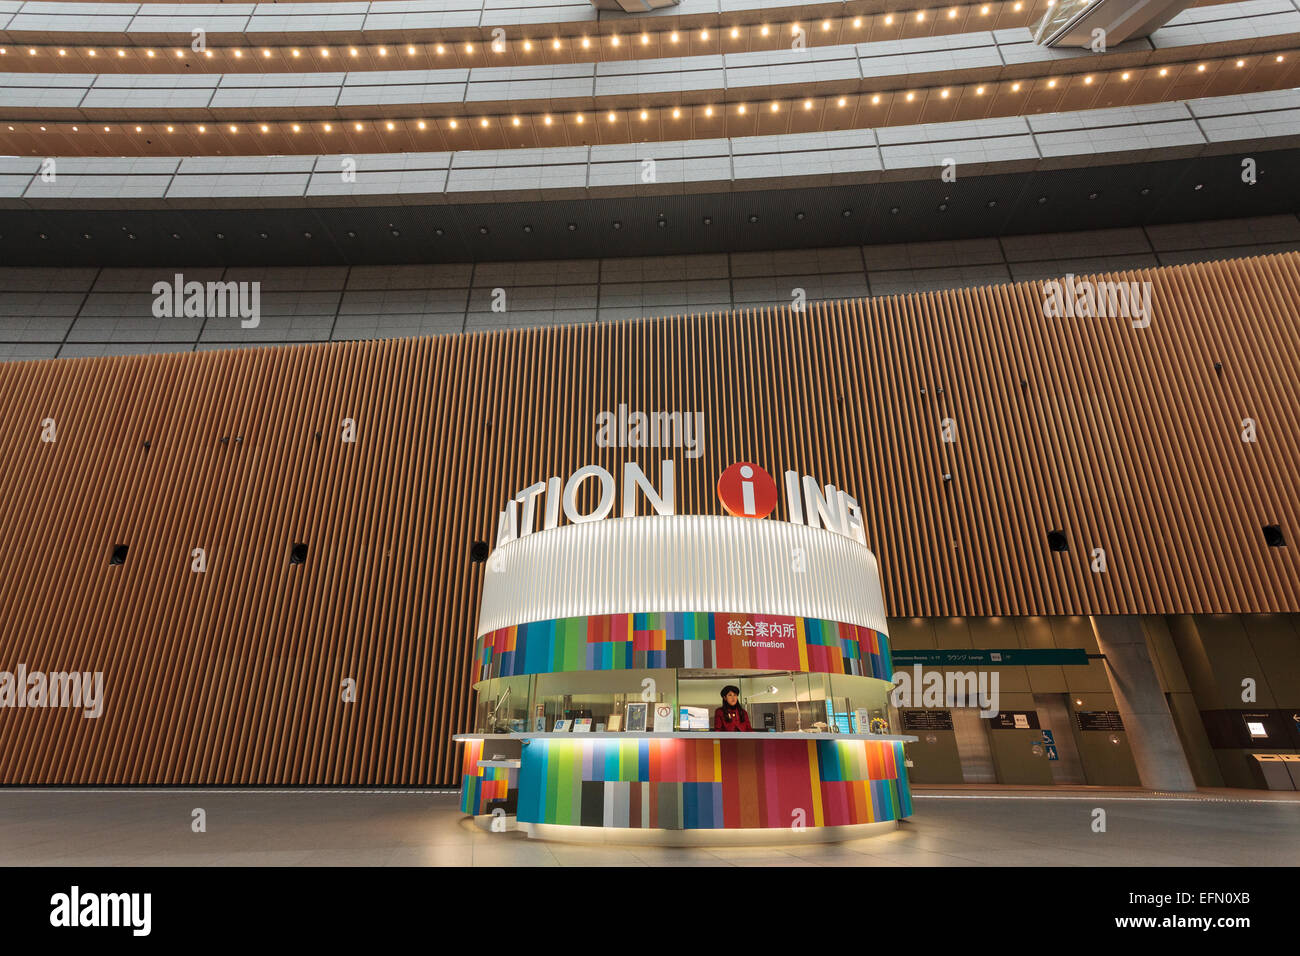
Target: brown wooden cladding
(1127,439)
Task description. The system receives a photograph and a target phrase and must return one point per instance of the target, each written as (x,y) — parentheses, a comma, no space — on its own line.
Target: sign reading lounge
(745,489)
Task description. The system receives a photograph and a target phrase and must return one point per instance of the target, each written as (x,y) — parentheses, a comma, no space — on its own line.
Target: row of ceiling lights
(617,224)
(676,112)
(673,36)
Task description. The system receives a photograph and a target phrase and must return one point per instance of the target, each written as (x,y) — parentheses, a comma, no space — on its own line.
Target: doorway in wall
(973,746)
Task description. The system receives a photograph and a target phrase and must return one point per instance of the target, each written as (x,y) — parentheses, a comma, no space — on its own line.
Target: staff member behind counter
(731,716)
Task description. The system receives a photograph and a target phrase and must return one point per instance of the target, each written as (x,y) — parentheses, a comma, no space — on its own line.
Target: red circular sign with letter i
(747,491)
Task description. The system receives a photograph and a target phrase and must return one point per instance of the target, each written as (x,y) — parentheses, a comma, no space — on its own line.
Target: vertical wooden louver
(1126,439)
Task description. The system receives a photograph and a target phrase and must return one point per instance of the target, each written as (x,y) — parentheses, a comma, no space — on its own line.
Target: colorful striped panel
(482,785)
(682,639)
(679,783)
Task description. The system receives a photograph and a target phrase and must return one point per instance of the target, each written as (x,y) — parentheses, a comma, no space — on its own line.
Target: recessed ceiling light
(296,127)
(677,114)
(420,124)
(1123,76)
(391,126)
(889,20)
(515,121)
(734,33)
(328,128)
(546,120)
(875,100)
(357,127)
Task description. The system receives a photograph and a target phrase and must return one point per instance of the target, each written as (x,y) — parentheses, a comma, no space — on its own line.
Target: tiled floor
(960,827)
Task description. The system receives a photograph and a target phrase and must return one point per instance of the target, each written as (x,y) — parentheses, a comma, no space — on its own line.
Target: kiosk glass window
(598,695)
(503,705)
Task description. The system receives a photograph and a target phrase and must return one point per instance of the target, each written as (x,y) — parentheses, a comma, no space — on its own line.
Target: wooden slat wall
(1126,438)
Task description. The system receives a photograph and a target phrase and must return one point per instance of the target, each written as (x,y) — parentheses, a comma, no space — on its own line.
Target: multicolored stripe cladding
(482,786)
(676,783)
(682,639)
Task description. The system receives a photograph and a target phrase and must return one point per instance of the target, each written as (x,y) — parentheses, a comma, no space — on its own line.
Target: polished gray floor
(413,828)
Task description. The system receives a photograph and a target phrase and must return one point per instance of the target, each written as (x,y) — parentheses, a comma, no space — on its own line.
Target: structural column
(1158,752)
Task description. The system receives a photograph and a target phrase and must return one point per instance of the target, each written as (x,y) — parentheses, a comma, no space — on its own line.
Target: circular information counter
(601,656)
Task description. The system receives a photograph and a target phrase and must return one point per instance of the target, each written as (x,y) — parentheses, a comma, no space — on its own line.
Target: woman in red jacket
(731,716)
